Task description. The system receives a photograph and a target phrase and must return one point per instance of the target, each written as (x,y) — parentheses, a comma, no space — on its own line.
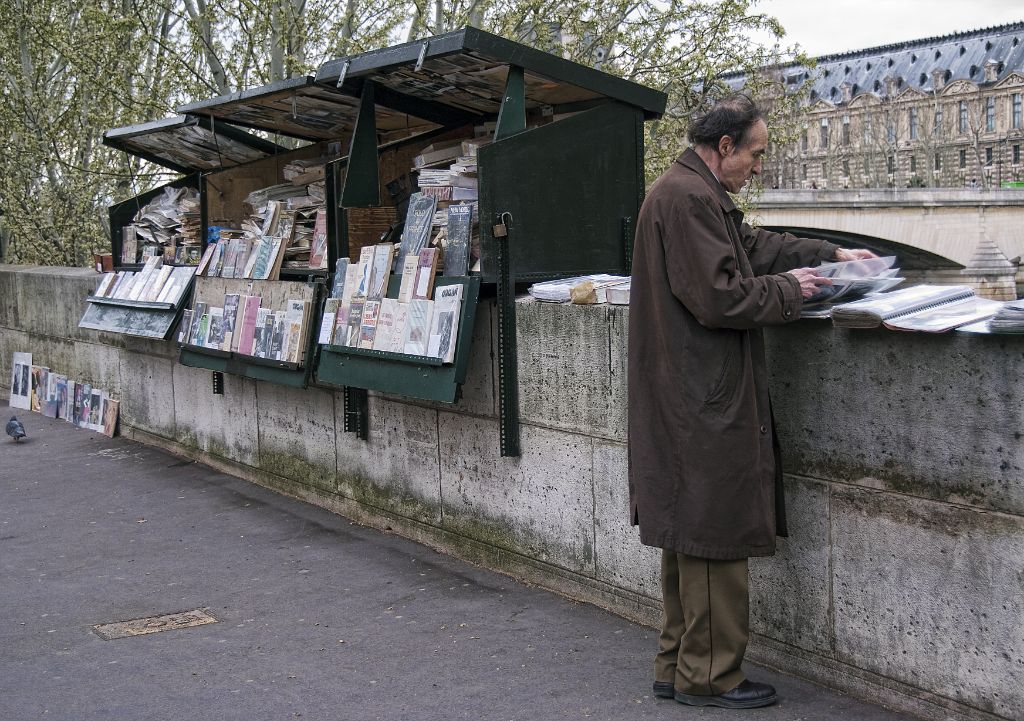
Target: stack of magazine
(928,308)
(851,280)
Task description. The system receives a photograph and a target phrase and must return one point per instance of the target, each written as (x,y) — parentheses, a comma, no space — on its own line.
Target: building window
(846,130)
(1016,155)
(846,168)
(824,132)
(988,156)
(890,164)
(803,140)
(913,163)
(1016,120)
(963,158)
(937,128)
(890,131)
(990,115)
(867,129)
(938,161)
(913,123)
(803,171)
(963,116)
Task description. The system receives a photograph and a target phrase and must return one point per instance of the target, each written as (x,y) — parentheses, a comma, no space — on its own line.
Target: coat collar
(690,159)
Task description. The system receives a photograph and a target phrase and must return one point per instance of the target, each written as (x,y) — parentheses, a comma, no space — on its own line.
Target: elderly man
(705,479)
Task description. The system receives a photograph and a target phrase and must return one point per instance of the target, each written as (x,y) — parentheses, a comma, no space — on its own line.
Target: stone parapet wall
(903,578)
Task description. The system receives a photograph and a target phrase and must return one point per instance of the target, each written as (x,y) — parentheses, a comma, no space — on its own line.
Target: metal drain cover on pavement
(153,624)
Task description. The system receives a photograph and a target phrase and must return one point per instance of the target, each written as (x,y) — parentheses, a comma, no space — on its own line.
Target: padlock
(500,231)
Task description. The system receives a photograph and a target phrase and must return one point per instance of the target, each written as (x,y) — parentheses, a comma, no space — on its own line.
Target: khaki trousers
(706,624)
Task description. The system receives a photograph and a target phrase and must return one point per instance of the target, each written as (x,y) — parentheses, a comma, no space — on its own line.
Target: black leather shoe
(664,689)
(749,694)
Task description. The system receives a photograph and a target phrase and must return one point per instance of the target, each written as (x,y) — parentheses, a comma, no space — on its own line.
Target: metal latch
(343,73)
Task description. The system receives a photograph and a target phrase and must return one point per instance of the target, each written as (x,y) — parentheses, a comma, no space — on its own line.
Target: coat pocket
(724,388)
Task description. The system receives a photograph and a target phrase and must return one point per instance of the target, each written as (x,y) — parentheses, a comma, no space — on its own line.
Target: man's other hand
(810,280)
(844,254)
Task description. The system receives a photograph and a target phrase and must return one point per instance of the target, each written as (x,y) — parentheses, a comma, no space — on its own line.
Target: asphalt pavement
(316,617)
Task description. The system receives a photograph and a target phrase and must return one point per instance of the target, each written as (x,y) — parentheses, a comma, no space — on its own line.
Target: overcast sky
(824,27)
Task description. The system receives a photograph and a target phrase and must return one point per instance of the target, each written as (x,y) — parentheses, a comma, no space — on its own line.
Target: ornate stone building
(939,112)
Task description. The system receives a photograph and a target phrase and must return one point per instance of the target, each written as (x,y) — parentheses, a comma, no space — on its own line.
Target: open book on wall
(931,308)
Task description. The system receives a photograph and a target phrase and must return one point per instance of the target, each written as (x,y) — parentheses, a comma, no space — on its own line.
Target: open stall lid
(189,143)
(300,108)
(463,75)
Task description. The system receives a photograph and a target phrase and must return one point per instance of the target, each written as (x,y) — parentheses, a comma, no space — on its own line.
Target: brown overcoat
(704,471)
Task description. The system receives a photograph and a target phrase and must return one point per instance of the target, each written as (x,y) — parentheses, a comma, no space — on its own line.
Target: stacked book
(243,326)
(157,282)
(168,226)
(926,308)
(560,291)
(421,321)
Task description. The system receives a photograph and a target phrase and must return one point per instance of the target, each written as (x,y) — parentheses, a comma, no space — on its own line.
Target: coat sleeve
(778,252)
(704,272)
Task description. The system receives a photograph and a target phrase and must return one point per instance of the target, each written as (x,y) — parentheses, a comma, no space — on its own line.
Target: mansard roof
(912,64)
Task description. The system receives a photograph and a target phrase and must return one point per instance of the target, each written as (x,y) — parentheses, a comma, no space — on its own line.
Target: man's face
(741,162)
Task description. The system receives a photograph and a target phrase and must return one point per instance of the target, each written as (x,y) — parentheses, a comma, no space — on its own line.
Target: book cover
(203,332)
(318,249)
(418,221)
(61,395)
(340,275)
(277,256)
(110,412)
(298,320)
(82,420)
(21,381)
(230,258)
(262,263)
(355,317)
(254,256)
(50,396)
(95,409)
(383,255)
(230,320)
(157,284)
(396,344)
(365,271)
(197,315)
(204,262)
(425,270)
(248,325)
(352,272)
(268,334)
(186,325)
(276,335)
(408,278)
(37,388)
(368,326)
(385,324)
(417,329)
(327,321)
(341,323)
(104,285)
(444,326)
(215,335)
(456,249)
(68,412)
(129,245)
(118,282)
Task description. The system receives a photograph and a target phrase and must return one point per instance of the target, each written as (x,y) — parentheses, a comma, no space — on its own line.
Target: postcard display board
(137,298)
(559,177)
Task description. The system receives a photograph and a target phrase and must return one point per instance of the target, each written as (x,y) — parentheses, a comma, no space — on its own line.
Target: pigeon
(15,430)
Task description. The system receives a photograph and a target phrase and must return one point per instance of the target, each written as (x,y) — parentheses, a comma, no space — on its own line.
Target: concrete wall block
(539,504)
(931,595)
(10,311)
(297,435)
(224,425)
(147,393)
(790,592)
(620,557)
(936,418)
(51,301)
(564,367)
(618,401)
(398,467)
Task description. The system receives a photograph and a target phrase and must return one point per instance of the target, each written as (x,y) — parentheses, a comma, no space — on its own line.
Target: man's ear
(726,145)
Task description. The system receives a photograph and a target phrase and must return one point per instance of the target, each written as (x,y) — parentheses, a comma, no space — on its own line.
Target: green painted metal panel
(512,116)
(569,187)
(362,181)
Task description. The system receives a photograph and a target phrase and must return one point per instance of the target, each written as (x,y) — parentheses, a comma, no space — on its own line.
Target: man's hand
(810,280)
(844,254)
